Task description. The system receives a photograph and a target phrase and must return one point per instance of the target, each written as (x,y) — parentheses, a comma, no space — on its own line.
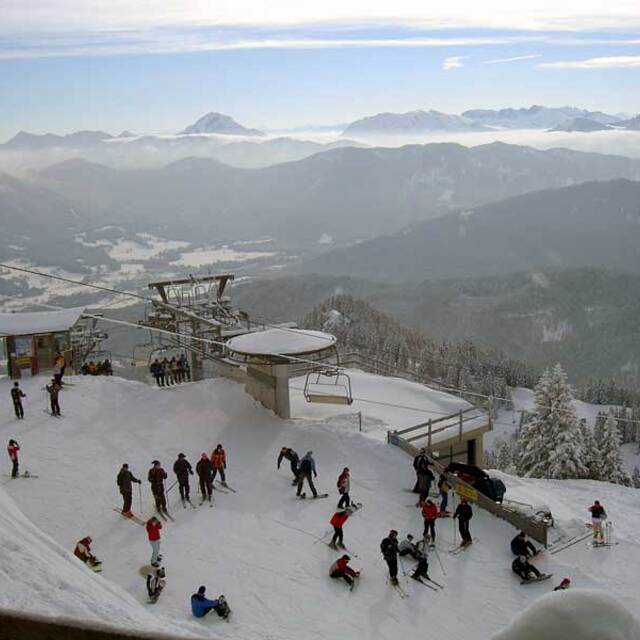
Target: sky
(157,65)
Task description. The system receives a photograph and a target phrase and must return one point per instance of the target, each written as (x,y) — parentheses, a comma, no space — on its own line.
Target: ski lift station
(273,356)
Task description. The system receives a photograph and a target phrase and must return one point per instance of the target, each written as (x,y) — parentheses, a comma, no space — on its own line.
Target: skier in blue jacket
(201,605)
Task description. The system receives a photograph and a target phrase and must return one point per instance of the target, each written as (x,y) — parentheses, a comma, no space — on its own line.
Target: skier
(153,527)
(464,513)
(520,546)
(337,522)
(124,480)
(524,568)
(204,469)
(389,548)
(307,467)
(292,457)
(182,469)
(421,466)
(341,569)
(201,605)
(564,585)
(12,449)
(408,548)
(219,462)
(598,516)
(16,395)
(157,372)
(157,475)
(344,487)
(429,513)
(53,389)
(83,552)
(155,582)
(443,487)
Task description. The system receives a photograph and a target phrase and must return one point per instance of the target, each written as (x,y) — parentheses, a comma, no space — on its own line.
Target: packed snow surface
(281,341)
(257,546)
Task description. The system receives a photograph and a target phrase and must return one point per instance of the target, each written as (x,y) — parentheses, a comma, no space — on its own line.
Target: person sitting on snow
(524,568)
(201,605)
(564,585)
(341,569)
(83,552)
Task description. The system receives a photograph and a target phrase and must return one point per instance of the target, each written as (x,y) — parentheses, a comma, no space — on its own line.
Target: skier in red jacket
(429,513)
(12,449)
(153,527)
(341,569)
(337,522)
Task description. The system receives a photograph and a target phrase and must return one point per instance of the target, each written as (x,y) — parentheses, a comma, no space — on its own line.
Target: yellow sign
(466,492)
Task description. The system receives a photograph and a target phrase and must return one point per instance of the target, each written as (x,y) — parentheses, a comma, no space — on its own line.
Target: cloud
(610,62)
(453,62)
(514,59)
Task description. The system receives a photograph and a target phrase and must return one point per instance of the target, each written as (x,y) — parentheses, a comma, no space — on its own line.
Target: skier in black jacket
(204,469)
(389,548)
(182,469)
(16,395)
(157,475)
(124,480)
(520,546)
(293,458)
(464,513)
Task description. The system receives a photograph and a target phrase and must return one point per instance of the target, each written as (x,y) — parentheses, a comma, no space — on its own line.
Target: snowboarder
(598,516)
(408,548)
(201,605)
(153,527)
(464,513)
(83,552)
(564,585)
(337,522)
(219,462)
(157,475)
(290,455)
(182,469)
(520,546)
(16,396)
(341,569)
(155,582)
(204,469)
(124,480)
(53,389)
(344,487)
(307,467)
(524,568)
(429,513)
(443,488)
(389,548)
(157,372)
(12,449)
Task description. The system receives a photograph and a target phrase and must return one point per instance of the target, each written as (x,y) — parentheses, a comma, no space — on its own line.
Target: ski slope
(254,546)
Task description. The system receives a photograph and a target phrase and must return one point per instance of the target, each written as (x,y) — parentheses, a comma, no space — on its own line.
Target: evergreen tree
(591,452)
(613,469)
(635,478)
(550,442)
(504,458)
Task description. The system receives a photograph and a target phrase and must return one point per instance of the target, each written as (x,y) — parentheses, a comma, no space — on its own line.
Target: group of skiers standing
(169,372)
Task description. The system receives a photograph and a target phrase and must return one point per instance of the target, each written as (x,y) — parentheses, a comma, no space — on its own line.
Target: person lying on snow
(201,605)
(524,568)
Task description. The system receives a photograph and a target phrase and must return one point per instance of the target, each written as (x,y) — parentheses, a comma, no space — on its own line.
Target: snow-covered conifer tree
(550,444)
(504,459)
(613,469)
(591,452)
(635,478)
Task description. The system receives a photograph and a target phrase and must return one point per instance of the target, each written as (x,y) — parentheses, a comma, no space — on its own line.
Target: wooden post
(429,439)
(460,429)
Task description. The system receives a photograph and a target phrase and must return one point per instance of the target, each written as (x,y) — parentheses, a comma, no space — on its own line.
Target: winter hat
(393,532)
(15,384)
(204,455)
(202,589)
(309,453)
(566,581)
(154,462)
(181,455)
(346,557)
(409,536)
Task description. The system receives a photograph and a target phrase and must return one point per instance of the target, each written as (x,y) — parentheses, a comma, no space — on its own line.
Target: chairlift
(328,386)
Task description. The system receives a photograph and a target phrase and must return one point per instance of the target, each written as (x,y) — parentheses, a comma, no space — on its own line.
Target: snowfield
(257,546)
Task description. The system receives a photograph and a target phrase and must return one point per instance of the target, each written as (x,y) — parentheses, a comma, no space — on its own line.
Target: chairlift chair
(328,386)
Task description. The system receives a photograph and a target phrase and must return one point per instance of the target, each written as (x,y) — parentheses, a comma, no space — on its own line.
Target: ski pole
(140,495)
(170,487)
(324,535)
(444,573)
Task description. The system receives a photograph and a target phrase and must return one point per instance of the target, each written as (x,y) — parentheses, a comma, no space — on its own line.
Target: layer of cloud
(607,62)
(453,62)
(529,56)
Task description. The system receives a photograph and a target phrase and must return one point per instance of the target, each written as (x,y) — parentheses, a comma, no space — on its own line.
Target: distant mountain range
(596,224)
(221,124)
(411,122)
(584,125)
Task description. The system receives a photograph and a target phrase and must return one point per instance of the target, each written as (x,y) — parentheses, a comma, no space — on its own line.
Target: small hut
(32,339)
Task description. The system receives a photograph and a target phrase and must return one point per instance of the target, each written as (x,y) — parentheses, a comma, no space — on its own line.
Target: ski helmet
(202,589)
(346,557)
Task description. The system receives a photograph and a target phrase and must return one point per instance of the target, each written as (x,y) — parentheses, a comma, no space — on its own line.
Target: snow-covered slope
(254,546)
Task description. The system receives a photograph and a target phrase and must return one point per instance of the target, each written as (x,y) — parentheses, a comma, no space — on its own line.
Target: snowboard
(26,474)
(303,496)
(544,576)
